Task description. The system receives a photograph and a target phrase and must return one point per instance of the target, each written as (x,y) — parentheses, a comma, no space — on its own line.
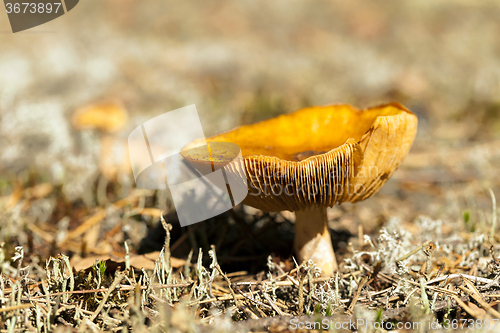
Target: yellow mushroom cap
(107,117)
(320,156)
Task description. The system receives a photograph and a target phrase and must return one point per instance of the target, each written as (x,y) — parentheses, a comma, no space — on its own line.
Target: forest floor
(83,249)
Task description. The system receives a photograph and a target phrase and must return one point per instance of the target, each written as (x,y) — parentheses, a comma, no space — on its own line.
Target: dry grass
(401,276)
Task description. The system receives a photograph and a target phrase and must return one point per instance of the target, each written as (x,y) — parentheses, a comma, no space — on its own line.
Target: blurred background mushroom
(315,158)
(108,118)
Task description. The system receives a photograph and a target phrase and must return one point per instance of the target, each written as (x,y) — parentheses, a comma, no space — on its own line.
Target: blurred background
(242,62)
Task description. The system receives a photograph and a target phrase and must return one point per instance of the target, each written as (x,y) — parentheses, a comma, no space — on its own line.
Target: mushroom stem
(312,239)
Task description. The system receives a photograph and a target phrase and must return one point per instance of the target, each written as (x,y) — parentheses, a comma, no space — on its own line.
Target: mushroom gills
(305,154)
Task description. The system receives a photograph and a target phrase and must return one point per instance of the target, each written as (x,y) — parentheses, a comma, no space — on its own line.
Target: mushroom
(108,118)
(315,158)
